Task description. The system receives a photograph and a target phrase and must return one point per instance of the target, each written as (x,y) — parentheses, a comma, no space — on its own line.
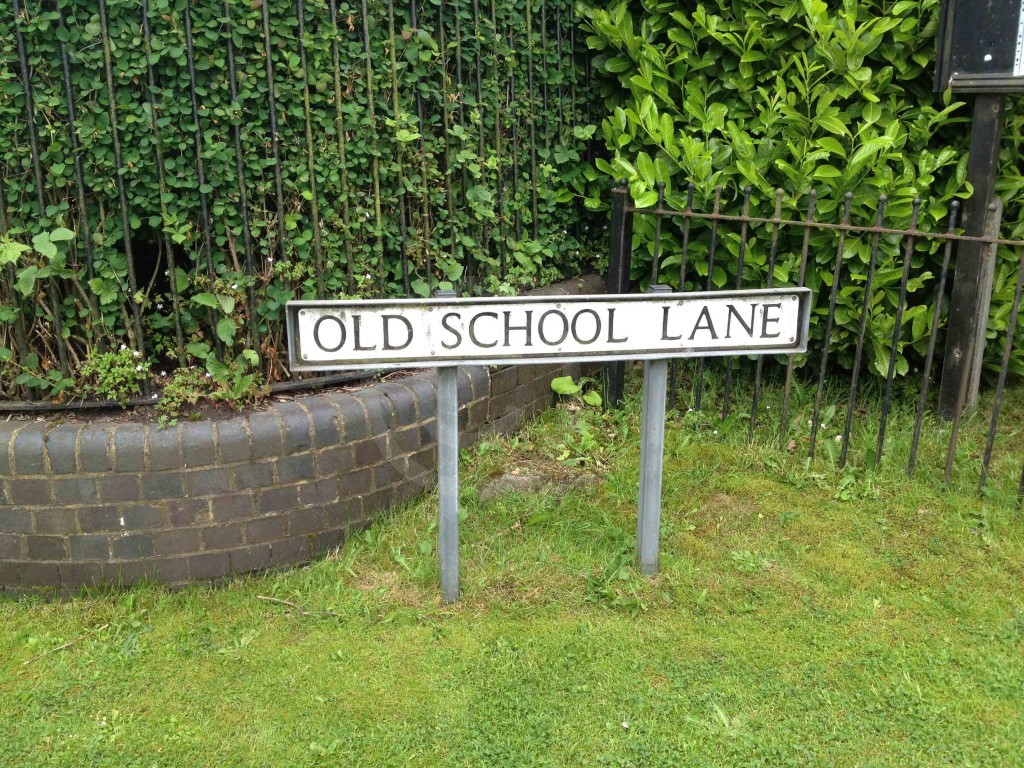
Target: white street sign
(403,333)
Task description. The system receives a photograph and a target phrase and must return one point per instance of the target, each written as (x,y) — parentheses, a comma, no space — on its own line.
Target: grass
(801,616)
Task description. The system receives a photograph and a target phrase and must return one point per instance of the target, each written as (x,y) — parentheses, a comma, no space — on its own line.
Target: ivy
(421,176)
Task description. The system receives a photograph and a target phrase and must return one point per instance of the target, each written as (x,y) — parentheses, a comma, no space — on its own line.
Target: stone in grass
(530,481)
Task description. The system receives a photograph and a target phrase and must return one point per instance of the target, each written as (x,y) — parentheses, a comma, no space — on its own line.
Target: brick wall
(103,502)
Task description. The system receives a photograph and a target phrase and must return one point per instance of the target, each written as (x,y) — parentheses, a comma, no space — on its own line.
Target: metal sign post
(446,332)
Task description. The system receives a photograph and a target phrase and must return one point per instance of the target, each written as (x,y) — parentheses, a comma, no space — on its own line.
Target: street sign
(981,46)
(446,332)
(346,335)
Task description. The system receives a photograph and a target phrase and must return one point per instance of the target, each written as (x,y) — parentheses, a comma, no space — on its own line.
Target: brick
(338,514)
(330,461)
(39,574)
(93,519)
(10,546)
(61,442)
(10,574)
(94,453)
(294,549)
(181,541)
(165,449)
(221,536)
(234,506)
(280,499)
(89,546)
(403,404)
(291,469)
(7,430)
(265,428)
(352,417)
(412,487)
(130,448)
(15,520)
(207,482)
(390,472)
(424,390)
(465,385)
(198,444)
(503,380)
(297,426)
(479,412)
(378,409)
(29,491)
(312,520)
(327,541)
(320,492)
(127,573)
(257,474)
(142,516)
(372,451)
(56,520)
(75,490)
(377,502)
(29,449)
(233,441)
(131,545)
(162,485)
(424,460)
(405,440)
(250,559)
(209,565)
(480,378)
(265,529)
(166,570)
(183,512)
(326,432)
(79,575)
(428,432)
(355,483)
(46,547)
(115,488)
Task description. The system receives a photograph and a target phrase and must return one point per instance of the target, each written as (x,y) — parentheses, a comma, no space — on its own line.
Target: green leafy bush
(795,95)
(460,146)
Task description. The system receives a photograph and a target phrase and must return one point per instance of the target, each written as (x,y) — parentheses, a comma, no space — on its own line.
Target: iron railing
(878,293)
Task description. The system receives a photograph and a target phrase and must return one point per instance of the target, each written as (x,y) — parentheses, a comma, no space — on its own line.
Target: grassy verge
(802,616)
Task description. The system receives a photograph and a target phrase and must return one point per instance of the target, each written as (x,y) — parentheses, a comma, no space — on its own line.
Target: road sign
(346,335)
(981,46)
(446,332)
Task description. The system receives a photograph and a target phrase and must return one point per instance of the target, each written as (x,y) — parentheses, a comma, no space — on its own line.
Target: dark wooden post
(620,257)
(964,332)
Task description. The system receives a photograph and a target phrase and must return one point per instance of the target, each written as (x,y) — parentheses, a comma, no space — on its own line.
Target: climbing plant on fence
(171,172)
(797,95)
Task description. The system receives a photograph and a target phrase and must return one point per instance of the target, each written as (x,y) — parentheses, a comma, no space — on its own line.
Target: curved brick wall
(105,502)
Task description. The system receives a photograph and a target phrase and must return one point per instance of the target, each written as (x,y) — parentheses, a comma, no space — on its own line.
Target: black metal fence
(872,281)
(172,171)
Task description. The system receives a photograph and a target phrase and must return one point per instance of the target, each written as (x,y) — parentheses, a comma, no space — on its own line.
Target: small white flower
(234,286)
(809,423)
(839,438)
(209,375)
(159,306)
(153,396)
(689,410)
(124,347)
(625,725)
(714,432)
(136,353)
(138,367)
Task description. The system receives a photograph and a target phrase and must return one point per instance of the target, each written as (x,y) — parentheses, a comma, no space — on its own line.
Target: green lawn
(802,616)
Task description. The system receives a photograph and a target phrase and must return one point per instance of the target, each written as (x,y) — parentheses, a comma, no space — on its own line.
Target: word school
(408,333)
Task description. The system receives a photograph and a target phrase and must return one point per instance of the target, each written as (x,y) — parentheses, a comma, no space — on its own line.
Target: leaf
(227,303)
(593,397)
(565,385)
(206,300)
(226,329)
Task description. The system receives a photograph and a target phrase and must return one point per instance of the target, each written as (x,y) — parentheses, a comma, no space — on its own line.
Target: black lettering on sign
(387,319)
(453,331)
(611,329)
(733,313)
(704,324)
(472,330)
(597,326)
(528,328)
(356,321)
(540,328)
(765,320)
(664,326)
(341,333)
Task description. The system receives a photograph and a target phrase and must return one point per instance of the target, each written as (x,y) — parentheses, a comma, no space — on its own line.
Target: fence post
(619,261)
(964,332)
